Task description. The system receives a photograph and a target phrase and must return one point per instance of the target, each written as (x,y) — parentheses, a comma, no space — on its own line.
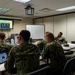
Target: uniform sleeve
(49,49)
(40,44)
(45,52)
(63,39)
(9,63)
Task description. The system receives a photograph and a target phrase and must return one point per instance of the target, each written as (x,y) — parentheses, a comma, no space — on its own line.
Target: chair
(43,71)
(3,56)
(69,67)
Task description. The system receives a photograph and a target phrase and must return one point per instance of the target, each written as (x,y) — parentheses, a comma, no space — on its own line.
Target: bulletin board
(37,31)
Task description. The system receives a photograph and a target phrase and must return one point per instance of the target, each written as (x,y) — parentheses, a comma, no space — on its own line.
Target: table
(71,46)
(2,68)
(69,51)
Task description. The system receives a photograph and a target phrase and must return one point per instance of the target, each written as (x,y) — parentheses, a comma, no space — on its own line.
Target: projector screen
(6,24)
(37,31)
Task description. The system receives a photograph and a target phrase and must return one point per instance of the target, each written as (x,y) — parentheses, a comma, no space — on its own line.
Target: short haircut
(46,32)
(50,35)
(61,33)
(2,36)
(25,34)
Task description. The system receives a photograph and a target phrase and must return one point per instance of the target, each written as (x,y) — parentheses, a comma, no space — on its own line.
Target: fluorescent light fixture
(3,10)
(66,8)
(23,1)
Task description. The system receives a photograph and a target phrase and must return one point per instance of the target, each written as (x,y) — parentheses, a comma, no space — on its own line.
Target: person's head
(24,36)
(49,37)
(60,34)
(45,34)
(2,37)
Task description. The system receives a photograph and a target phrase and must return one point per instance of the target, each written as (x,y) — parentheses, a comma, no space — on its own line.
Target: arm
(9,63)
(45,52)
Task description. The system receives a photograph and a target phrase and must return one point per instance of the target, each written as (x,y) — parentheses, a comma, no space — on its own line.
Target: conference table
(69,50)
(2,68)
(71,46)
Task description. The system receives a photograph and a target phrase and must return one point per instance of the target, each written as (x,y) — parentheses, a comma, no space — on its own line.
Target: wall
(18,26)
(60,25)
(71,27)
(64,23)
(48,22)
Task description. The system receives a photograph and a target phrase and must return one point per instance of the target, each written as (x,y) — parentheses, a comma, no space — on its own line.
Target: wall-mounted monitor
(6,24)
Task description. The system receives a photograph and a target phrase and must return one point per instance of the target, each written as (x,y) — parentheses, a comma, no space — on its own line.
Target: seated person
(60,39)
(24,56)
(41,44)
(55,53)
(3,45)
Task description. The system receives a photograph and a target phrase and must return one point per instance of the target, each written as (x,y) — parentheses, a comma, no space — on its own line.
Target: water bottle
(12,41)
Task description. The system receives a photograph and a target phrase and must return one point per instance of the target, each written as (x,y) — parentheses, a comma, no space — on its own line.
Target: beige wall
(39,21)
(64,23)
(60,25)
(48,22)
(18,26)
(71,27)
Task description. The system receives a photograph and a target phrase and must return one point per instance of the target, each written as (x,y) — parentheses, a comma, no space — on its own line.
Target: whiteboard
(37,31)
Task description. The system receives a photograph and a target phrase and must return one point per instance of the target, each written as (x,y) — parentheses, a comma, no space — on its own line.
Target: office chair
(69,67)
(3,56)
(42,71)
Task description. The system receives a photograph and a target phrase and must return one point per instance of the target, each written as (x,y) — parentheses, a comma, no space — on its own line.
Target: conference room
(38,17)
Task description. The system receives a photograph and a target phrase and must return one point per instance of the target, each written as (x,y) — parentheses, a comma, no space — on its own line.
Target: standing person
(60,39)
(55,53)
(24,56)
(3,45)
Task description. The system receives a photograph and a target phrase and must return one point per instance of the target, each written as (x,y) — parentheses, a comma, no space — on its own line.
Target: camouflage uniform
(25,57)
(61,40)
(42,44)
(55,53)
(5,47)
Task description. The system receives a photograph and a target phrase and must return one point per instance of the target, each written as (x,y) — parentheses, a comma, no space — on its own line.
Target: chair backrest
(69,67)
(3,56)
(43,71)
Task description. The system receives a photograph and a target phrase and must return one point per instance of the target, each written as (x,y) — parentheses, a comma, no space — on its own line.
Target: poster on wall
(37,31)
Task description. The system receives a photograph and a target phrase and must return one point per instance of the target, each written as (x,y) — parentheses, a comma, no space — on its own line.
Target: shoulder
(32,45)
(47,46)
(16,47)
(62,37)
(4,45)
(19,47)
(54,44)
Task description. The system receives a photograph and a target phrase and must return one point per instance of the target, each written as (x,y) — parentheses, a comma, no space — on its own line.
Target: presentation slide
(6,24)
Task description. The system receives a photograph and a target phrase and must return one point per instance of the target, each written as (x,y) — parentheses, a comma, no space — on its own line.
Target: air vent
(46,10)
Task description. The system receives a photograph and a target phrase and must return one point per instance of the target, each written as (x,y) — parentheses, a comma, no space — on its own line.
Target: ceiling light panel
(22,1)
(4,10)
(66,8)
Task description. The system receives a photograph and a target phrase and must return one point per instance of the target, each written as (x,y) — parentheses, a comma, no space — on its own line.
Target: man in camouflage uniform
(24,56)
(3,45)
(60,39)
(55,53)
